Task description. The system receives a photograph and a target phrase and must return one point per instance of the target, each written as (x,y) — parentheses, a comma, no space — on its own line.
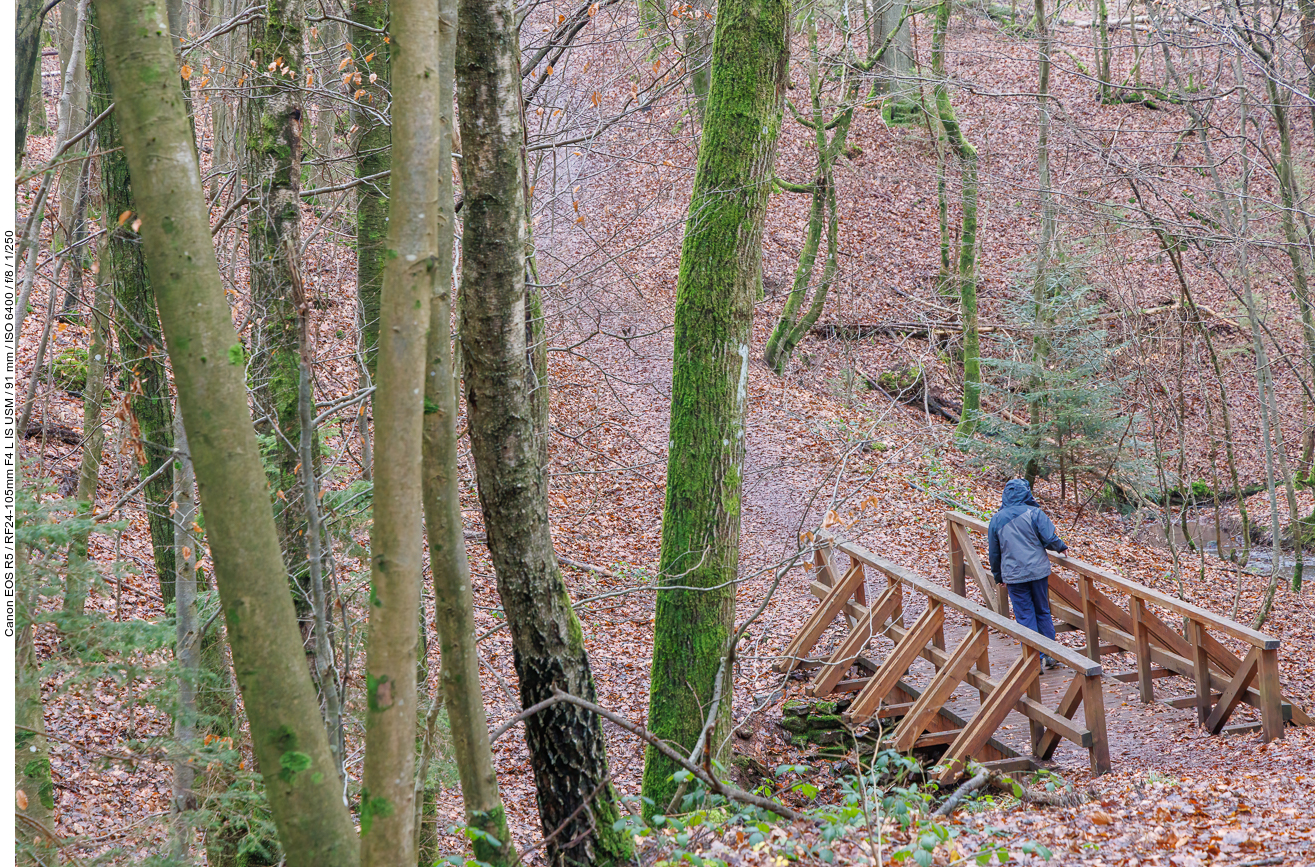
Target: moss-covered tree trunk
(720,265)
(566,744)
(93,435)
(288,737)
(791,326)
(966,278)
(454,611)
(1045,238)
(388,788)
(27,61)
(273,144)
(35,807)
(141,350)
(373,155)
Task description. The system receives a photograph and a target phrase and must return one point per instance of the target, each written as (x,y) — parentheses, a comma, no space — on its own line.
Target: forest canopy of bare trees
(423,413)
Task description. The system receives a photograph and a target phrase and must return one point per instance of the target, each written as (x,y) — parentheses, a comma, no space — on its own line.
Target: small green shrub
(70,369)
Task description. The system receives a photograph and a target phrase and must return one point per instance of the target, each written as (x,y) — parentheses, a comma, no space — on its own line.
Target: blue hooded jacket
(1019,535)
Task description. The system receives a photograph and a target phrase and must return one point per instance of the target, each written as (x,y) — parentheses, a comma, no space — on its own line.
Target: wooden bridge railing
(926,719)
(1222,680)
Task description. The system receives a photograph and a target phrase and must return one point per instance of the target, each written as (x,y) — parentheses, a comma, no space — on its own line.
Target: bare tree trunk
(454,613)
(291,749)
(387,802)
(187,645)
(31,15)
(577,804)
(273,145)
(93,434)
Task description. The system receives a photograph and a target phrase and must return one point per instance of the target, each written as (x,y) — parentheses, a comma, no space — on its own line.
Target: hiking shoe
(1048,664)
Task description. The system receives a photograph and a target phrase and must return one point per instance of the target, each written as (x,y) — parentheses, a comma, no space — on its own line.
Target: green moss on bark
(141,348)
(313,823)
(373,146)
(719,268)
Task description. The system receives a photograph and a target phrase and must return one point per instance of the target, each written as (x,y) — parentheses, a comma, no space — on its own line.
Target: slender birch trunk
(388,788)
(720,264)
(566,744)
(288,738)
(187,646)
(454,612)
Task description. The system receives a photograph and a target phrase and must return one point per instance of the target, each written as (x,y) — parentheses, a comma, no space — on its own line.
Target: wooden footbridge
(874,659)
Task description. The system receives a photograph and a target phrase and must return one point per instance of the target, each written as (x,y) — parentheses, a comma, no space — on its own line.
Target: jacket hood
(1017,492)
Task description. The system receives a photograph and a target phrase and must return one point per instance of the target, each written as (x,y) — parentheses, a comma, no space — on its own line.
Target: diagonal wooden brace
(1068,705)
(868,626)
(821,618)
(940,688)
(989,716)
(897,663)
(1233,692)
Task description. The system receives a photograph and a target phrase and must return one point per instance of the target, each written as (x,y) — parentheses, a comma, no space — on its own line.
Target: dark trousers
(1031,601)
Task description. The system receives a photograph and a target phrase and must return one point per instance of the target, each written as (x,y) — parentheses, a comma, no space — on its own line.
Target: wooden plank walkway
(1129,731)
(960,674)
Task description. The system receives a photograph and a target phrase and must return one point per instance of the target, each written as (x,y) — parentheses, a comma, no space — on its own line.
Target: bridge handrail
(1146,594)
(980,613)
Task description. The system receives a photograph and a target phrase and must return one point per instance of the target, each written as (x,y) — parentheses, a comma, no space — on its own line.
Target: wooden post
(861,591)
(1143,644)
(1200,669)
(1093,705)
(1090,619)
(1037,729)
(1271,697)
(984,666)
(958,574)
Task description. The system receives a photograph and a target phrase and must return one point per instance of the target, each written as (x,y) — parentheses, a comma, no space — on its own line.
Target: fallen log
(66,435)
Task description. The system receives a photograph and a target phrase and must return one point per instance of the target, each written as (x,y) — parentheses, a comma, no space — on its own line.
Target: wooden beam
(1200,670)
(954,549)
(978,679)
(1183,701)
(820,619)
(907,649)
(1233,692)
(1135,676)
(1068,705)
(1093,704)
(933,739)
(1090,619)
(989,716)
(866,628)
(973,564)
(1271,696)
(940,688)
(1065,655)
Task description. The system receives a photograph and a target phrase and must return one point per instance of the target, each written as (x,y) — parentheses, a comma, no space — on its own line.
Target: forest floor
(817,441)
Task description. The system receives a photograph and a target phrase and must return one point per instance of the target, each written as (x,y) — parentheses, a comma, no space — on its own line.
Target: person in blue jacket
(1018,538)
